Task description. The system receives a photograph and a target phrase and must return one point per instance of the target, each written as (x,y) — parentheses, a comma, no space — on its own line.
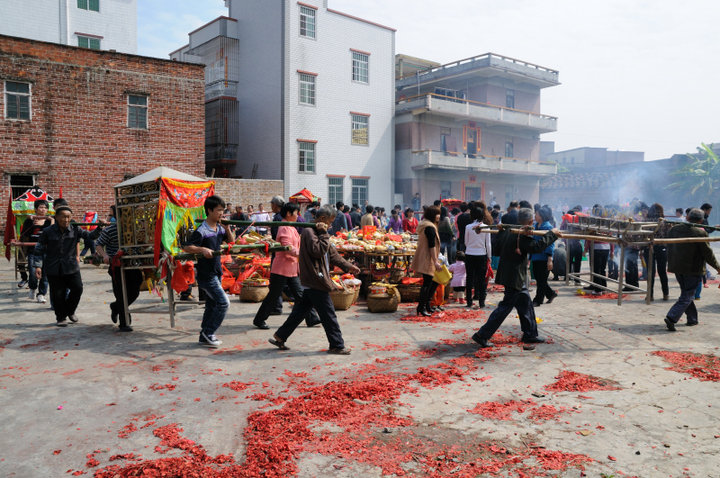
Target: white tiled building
(97,24)
(314,91)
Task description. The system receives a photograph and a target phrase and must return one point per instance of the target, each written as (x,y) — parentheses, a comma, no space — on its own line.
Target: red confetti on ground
(546,412)
(569,381)
(127,430)
(448,316)
(229,351)
(394,346)
(72,372)
(167,386)
(39,343)
(237,386)
(702,367)
(609,295)
(57,452)
(501,410)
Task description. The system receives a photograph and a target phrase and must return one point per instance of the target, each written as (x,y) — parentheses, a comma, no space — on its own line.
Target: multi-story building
(299,92)
(471,130)
(81,121)
(589,157)
(96,24)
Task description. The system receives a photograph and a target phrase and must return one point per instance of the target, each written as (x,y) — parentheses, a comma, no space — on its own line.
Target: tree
(701,175)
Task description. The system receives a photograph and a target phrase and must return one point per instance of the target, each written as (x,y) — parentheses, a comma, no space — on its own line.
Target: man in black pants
(512,273)
(107,247)
(56,250)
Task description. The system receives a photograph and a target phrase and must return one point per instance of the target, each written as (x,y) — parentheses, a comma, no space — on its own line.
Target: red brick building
(84,120)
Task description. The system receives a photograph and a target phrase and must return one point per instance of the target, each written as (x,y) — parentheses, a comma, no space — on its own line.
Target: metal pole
(650,276)
(126,311)
(621,273)
(171,297)
(567,262)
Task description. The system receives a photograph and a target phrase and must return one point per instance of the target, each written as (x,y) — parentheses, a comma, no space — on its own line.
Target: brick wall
(77,139)
(248,191)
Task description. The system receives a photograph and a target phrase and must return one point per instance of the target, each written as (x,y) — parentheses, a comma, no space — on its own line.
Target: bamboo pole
(684,240)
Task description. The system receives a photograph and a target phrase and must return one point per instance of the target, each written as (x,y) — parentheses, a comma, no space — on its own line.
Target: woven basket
(342,299)
(396,275)
(382,303)
(253,294)
(409,292)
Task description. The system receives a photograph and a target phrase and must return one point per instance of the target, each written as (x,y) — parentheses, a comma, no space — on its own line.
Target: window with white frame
(88,42)
(93,5)
(306,157)
(307,89)
(360,128)
(307,22)
(18,100)
(359,191)
(360,66)
(137,111)
(335,189)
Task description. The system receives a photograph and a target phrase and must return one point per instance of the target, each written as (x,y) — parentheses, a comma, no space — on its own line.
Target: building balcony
(486,65)
(428,159)
(464,109)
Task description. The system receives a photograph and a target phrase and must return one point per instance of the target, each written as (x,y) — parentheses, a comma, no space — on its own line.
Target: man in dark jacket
(56,251)
(317,256)
(687,261)
(512,273)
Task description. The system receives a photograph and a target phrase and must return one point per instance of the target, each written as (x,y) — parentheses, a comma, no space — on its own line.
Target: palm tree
(701,175)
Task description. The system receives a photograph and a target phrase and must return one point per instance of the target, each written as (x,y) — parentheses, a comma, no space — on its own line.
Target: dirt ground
(612,393)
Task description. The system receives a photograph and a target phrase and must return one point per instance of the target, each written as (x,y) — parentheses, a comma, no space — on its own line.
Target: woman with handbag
(426,260)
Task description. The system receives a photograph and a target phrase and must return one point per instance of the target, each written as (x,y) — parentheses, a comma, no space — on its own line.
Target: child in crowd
(206,240)
(457,269)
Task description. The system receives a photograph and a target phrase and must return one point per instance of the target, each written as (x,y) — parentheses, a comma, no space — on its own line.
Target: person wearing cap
(276,204)
(56,251)
(687,261)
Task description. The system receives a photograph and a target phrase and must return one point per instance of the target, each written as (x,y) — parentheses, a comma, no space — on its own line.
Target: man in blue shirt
(206,240)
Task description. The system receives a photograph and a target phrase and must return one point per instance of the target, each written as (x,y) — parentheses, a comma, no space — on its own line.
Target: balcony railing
(430,159)
(476,110)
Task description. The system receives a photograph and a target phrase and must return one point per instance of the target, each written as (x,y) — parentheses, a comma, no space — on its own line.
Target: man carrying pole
(512,273)
(687,261)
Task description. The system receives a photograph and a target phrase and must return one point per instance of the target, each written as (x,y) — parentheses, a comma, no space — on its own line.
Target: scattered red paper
(702,367)
(569,381)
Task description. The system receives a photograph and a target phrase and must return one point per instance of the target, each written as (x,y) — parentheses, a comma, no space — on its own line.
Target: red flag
(9,228)
(60,192)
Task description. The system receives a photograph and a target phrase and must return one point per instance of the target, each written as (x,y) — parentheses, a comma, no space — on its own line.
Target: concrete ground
(414,398)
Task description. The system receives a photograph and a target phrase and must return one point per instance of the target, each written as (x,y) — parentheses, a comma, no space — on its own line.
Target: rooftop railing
(485,56)
(473,102)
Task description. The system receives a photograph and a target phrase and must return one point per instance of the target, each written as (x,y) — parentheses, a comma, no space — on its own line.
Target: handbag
(442,275)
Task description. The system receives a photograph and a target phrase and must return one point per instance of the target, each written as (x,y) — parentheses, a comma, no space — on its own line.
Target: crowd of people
(458,238)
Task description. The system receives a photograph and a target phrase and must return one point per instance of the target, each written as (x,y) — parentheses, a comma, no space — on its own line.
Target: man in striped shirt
(107,246)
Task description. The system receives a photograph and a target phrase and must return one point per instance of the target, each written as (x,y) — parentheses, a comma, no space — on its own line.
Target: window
(137,111)
(307,22)
(307,89)
(510,98)
(509,153)
(88,42)
(359,190)
(306,157)
(360,127)
(335,190)
(19,183)
(360,66)
(93,5)
(17,100)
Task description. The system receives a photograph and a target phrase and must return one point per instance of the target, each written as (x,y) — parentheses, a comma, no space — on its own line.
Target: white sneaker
(31,294)
(41,298)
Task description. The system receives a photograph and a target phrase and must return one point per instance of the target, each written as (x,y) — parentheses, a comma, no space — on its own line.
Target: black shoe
(666,297)
(339,351)
(690,324)
(73,318)
(552,297)
(125,328)
(311,323)
(420,311)
(483,343)
(670,324)
(536,303)
(261,325)
(439,307)
(62,323)
(534,340)
(279,343)
(186,297)
(113,316)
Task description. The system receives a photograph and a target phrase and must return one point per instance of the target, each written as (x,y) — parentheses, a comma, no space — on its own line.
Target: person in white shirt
(477,251)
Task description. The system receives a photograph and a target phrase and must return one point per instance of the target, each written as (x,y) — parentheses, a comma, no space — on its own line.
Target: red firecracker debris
(702,367)
(569,381)
(447,316)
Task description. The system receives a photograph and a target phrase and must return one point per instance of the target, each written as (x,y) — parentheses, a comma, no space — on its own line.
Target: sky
(636,75)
